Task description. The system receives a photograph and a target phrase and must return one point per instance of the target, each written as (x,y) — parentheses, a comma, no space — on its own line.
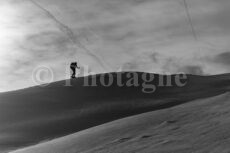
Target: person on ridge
(73,67)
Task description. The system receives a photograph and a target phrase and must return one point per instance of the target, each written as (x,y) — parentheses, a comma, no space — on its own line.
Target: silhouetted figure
(73,67)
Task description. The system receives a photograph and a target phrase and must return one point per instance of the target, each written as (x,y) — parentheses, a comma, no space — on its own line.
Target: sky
(112,35)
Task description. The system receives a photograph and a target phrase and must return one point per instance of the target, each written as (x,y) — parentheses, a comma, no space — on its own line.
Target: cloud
(141,35)
(160,63)
(47,44)
(190,69)
(154,57)
(223,58)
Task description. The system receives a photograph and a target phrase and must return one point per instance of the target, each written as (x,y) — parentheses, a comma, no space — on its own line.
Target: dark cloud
(116,31)
(123,32)
(214,22)
(47,44)
(121,6)
(154,57)
(196,70)
(175,65)
(46,38)
(223,58)
(130,66)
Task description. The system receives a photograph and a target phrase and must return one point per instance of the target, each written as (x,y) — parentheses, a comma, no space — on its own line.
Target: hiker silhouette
(73,67)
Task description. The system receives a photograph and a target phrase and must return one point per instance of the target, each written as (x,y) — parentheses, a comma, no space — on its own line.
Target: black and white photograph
(114,76)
